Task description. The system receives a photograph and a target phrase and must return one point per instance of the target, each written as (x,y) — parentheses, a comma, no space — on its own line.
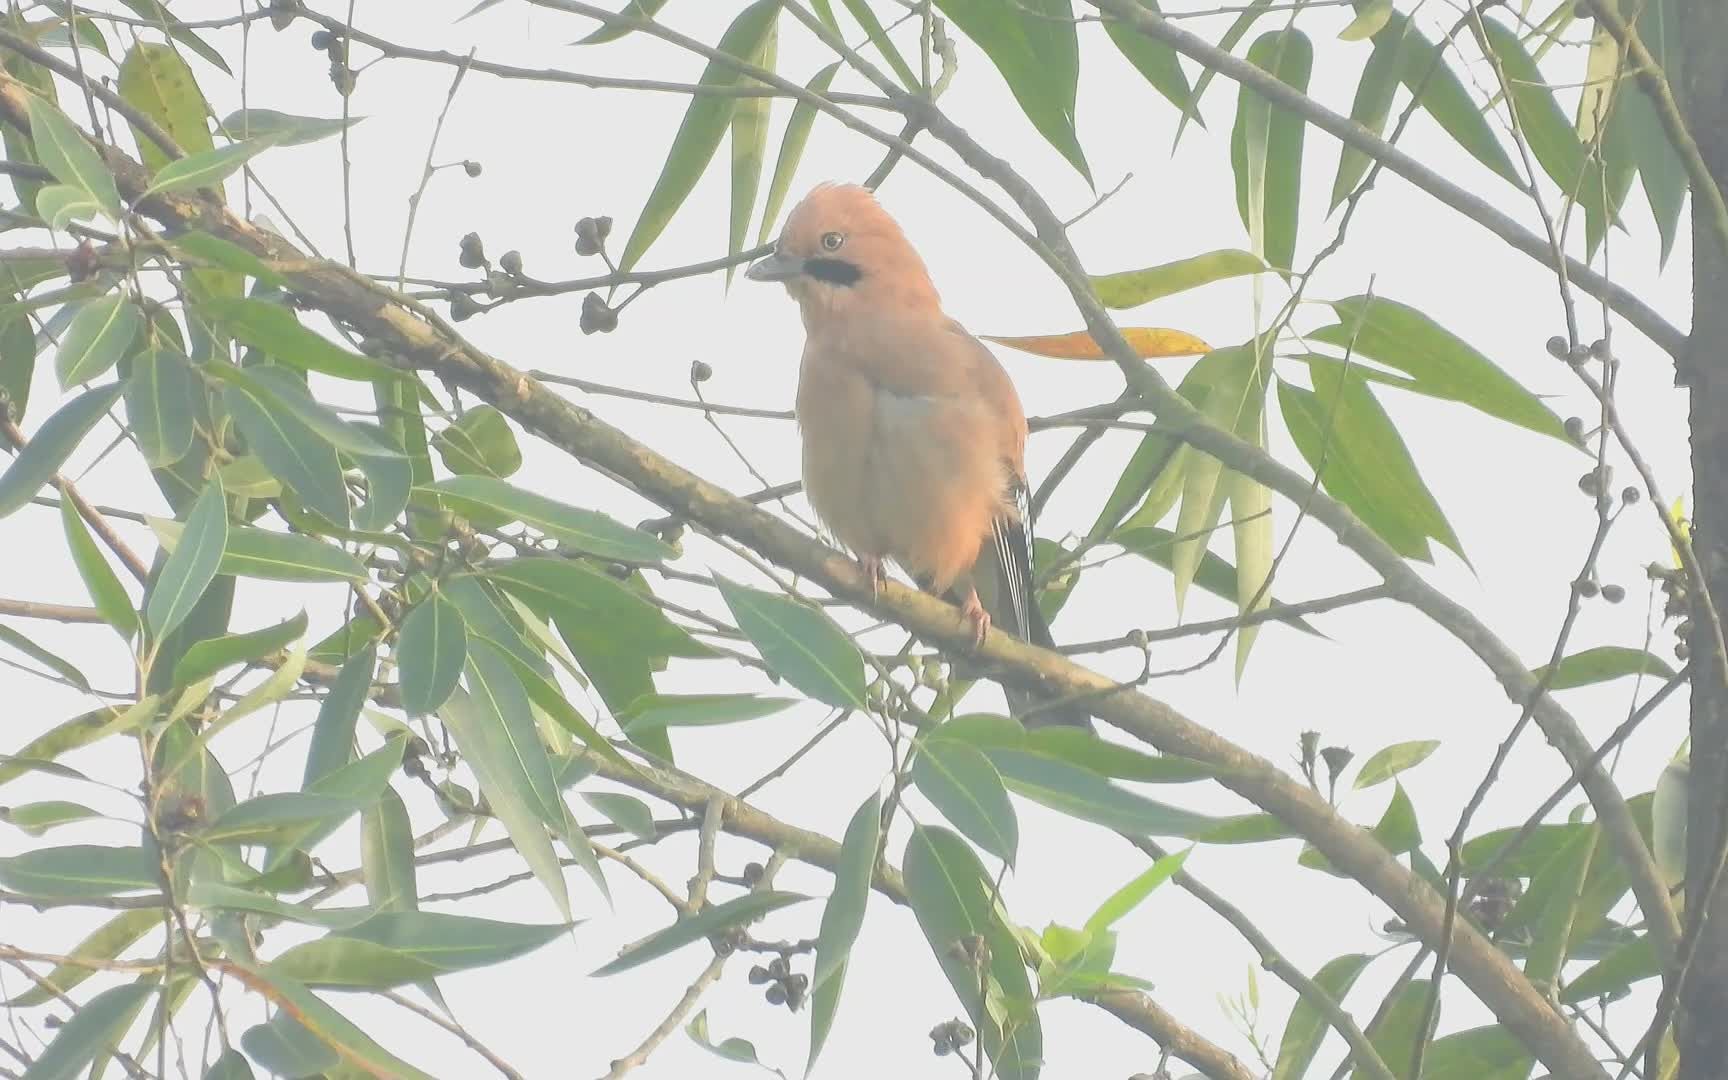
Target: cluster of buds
(1676,604)
(591,233)
(342,77)
(1335,758)
(1495,901)
(949,1036)
(283,13)
(785,986)
(1577,355)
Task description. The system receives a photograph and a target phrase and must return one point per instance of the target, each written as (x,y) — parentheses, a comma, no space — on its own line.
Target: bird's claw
(876,572)
(974,612)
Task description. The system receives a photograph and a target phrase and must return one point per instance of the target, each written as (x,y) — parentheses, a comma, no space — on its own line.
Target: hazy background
(1383,674)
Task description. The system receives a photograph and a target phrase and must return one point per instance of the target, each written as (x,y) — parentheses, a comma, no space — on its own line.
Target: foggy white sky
(1383,674)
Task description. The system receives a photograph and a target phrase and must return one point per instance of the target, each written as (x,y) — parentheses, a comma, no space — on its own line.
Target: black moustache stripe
(833,271)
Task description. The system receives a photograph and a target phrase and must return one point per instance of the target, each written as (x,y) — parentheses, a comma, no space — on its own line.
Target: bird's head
(841,251)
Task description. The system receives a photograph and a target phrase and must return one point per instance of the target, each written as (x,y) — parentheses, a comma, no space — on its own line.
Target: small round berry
(597,317)
(1613,593)
(322,40)
(463,306)
(701,371)
(472,252)
(1631,496)
(758,975)
(511,263)
(472,168)
(776,994)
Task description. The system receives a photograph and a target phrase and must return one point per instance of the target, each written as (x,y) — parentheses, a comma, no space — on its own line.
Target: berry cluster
(785,986)
(949,1036)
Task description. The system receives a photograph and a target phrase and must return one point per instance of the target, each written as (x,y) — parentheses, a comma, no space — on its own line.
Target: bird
(913,437)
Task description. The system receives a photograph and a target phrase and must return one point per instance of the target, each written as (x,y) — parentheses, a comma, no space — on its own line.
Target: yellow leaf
(1148,343)
(1677,514)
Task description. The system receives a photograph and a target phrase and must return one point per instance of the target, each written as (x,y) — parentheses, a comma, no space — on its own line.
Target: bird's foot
(876,571)
(975,614)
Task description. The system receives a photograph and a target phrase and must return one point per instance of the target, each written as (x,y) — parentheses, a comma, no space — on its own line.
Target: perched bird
(914,441)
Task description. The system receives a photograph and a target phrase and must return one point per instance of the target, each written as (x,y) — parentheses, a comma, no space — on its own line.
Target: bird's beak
(776,267)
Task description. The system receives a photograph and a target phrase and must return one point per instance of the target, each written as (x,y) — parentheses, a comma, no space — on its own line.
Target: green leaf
(517,796)
(17,362)
(1251,531)
(387,855)
(1610,976)
(1660,171)
(80,872)
(1266,149)
(274,330)
(106,942)
(1561,885)
(273,817)
(697,710)
(1370,17)
(736,912)
(792,145)
(951,897)
(159,17)
(733,1049)
(64,668)
(340,1034)
(282,556)
(161,404)
(306,465)
(878,35)
(205,658)
(1306,1028)
(489,619)
(1442,364)
(1392,760)
(1371,107)
(1395,1035)
(1129,896)
(64,151)
(1238,29)
(103,584)
(1033,45)
(209,618)
(705,122)
(625,811)
(842,919)
(1482,1053)
(61,204)
(479,443)
(1131,288)
(333,732)
(206,169)
(231,1065)
(393,948)
(430,652)
(577,596)
(285,391)
(228,255)
(961,783)
(189,571)
(156,81)
(1423,69)
(1156,61)
(799,643)
(1347,438)
(1230,385)
(284,129)
(100,334)
(38,817)
(1215,574)
(641,9)
(1545,126)
(285,1048)
(1083,794)
(93,1032)
(1602,664)
(749,139)
(582,530)
(37,463)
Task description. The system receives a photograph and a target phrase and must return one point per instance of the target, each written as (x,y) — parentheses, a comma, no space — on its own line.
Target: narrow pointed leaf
(100,334)
(1251,530)
(305,464)
(967,789)
(192,566)
(799,643)
(1237,30)
(430,652)
(161,404)
(1306,1028)
(352,1045)
(285,129)
(1423,69)
(1157,62)
(107,942)
(705,123)
(274,330)
(749,138)
(479,443)
(158,16)
(583,530)
(60,666)
(80,872)
(208,168)
(156,80)
(792,145)
(1130,896)
(103,584)
(842,919)
(1148,342)
(1371,107)
(641,9)
(1602,663)
(206,658)
(738,912)
(37,463)
(92,1033)
(1131,288)
(1266,149)
(1394,759)
(64,151)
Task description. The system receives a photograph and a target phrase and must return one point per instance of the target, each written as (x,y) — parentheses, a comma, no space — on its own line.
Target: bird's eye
(832,241)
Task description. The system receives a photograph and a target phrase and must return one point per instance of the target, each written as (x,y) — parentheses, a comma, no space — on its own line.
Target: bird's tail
(1003,578)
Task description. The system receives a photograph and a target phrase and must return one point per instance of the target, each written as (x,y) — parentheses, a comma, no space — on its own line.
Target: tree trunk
(1701,84)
